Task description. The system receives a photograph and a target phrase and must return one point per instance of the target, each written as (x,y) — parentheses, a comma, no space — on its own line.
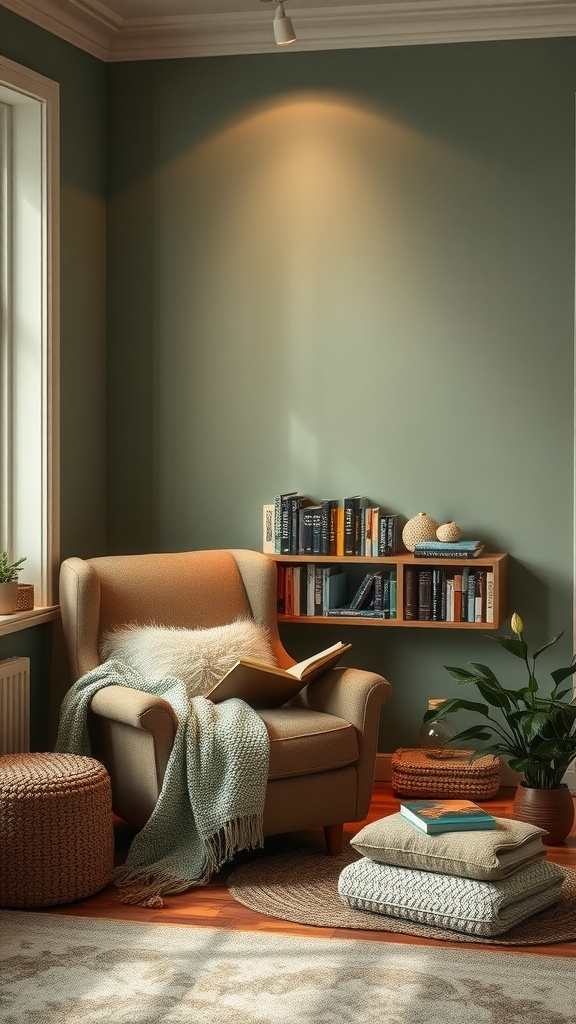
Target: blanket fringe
(141,887)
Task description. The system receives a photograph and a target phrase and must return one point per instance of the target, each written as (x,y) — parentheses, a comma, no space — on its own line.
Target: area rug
(68,970)
(302,886)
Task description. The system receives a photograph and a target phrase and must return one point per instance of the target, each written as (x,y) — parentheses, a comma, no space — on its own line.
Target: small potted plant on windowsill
(9,583)
(536,734)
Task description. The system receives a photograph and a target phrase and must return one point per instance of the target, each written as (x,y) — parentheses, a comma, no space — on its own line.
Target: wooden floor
(212,906)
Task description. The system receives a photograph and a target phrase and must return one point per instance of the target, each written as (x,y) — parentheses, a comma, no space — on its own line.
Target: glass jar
(433,735)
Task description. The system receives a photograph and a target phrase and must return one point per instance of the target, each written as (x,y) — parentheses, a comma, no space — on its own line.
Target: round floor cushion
(56,835)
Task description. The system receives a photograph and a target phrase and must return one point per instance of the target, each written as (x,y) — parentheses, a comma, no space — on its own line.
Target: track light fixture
(283,29)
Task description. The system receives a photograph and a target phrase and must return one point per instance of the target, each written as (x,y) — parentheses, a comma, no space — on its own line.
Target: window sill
(24,620)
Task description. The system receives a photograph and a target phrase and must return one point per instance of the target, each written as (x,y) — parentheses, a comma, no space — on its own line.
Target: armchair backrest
(190,589)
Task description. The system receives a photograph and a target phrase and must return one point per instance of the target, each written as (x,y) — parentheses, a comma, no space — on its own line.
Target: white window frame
(29,339)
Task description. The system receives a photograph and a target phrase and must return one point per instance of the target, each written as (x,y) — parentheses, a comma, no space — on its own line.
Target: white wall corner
(96,28)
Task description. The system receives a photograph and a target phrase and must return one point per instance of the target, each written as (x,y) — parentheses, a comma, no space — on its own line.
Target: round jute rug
(302,886)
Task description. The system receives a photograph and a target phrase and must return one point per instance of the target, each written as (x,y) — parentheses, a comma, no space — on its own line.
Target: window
(29,328)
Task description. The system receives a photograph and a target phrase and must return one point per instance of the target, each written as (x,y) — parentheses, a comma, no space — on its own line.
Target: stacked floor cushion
(479,883)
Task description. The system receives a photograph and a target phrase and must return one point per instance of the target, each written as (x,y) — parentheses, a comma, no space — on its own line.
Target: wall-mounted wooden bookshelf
(405,565)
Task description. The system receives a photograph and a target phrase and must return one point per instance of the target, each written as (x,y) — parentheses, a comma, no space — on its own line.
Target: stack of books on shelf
(294,524)
(448,549)
(450,865)
(323,590)
(465,594)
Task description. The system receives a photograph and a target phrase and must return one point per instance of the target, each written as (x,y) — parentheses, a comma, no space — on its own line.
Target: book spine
(339,530)
(391,534)
(304,532)
(449,599)
(318,590)
(289,591)
(436,594)
(310,588)
(424,594)
(285,525)
(348,526)
(317,531)
(457,597)
(375,532)
(277,521)
(480,597)
(386,588)
(268,539)
(382,536)
(334,513)
(465,576)
(489,596)
(471,597)
(461,555)
(392,601)
(378,591)
(325,526)
(363,591)
(411,594)
(355,613)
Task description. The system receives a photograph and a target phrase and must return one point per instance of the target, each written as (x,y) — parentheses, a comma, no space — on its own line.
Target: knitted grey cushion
(486,854)
(445,901)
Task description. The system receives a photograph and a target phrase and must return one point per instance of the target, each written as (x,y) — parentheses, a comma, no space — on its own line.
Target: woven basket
(415,774)
(25,600)
(56,835)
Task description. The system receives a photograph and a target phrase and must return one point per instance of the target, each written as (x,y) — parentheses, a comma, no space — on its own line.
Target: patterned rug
(302,886)
(69,970)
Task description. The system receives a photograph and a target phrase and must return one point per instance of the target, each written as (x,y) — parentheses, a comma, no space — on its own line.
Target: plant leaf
(549,644)
(560,674)
(512,644)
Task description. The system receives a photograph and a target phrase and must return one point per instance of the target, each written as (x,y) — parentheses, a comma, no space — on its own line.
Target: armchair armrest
(136,708)
(126,726)
(356,696)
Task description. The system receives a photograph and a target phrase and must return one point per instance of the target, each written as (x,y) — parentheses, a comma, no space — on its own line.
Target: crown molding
(87,24)
(95,28)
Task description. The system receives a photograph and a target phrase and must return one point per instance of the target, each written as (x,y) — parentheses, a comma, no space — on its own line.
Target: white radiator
(14,705)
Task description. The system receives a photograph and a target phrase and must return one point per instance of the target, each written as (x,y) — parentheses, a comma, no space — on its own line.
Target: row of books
(323,590)
(442,595)
(294,524)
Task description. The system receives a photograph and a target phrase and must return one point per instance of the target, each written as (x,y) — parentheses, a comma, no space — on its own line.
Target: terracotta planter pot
(8,598)
(551,809)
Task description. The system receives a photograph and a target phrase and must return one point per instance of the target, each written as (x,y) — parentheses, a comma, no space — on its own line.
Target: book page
(330,654)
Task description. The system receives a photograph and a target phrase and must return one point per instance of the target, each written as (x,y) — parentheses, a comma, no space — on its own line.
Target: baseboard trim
(508,777)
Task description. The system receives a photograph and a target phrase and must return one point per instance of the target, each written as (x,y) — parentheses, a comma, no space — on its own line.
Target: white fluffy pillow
(199,657)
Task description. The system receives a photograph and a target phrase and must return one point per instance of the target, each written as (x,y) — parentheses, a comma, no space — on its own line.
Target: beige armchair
(322,744)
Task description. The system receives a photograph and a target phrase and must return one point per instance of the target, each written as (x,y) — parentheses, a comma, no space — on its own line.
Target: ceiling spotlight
(283,29)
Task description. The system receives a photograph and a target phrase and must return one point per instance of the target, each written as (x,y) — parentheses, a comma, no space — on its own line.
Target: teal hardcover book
(435,816)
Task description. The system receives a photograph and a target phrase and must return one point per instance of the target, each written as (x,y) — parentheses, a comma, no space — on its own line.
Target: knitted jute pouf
(56,835)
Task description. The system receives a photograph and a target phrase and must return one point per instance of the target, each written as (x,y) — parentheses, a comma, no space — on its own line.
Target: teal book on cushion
(435,816)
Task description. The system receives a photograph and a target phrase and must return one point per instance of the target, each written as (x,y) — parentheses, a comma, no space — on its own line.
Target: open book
(267,686)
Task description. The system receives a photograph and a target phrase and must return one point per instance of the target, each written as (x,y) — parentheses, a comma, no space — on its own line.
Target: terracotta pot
(551,809)
(8,598)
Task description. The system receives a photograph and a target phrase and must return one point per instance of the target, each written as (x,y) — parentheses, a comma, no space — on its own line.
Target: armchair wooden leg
(334,835)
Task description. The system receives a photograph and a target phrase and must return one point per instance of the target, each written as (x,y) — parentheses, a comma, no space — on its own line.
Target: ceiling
(117,30)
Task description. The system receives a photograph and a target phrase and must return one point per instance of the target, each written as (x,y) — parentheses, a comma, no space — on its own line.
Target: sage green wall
(83,342)
(349,272)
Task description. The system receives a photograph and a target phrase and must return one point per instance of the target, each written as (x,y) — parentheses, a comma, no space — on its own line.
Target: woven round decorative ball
(421,527)
(56,835)
(449,533)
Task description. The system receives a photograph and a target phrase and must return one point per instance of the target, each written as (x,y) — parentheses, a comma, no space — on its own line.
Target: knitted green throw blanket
(212,800)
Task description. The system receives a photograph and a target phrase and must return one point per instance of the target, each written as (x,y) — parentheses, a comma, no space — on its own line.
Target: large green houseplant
(9,583)
(534,731)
